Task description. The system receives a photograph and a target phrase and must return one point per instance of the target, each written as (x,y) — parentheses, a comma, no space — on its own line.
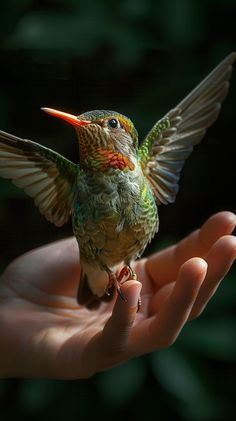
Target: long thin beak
(70,118)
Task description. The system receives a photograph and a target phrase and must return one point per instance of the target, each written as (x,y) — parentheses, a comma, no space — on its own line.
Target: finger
(160,297)
(219,259)
(55,268)
(114,338)
(162,329)
(163,267)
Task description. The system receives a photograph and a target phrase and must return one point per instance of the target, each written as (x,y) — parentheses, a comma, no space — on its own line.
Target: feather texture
(171,140)
(43,174)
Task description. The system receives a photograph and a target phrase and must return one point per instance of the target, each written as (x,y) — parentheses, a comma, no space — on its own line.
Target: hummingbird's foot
(113,280)
(124,275)
(128,274)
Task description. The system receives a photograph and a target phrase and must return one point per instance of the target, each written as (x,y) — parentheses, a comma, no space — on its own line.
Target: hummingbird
(113,194)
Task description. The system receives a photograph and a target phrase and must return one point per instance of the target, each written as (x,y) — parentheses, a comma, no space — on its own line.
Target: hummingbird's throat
(104,159)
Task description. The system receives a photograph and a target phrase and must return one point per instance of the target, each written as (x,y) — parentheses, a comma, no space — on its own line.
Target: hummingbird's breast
(114,216)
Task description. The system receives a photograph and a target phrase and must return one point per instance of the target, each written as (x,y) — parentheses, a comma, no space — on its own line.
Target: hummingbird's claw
(121,294)
(124,273)
(127,274)
(114,280)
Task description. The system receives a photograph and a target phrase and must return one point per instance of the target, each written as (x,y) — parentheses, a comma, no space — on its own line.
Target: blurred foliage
(139,57)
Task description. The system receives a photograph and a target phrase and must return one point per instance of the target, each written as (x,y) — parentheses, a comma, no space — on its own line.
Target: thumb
(116,332)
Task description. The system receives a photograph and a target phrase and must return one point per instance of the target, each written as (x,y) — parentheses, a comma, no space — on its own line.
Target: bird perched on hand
(114,192)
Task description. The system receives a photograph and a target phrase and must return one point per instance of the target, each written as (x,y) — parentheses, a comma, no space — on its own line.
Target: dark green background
(139,57)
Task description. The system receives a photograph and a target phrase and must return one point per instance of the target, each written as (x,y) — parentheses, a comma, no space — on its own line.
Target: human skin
(44,333)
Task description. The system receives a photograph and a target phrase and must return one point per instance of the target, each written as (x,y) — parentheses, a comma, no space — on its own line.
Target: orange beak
(70,118)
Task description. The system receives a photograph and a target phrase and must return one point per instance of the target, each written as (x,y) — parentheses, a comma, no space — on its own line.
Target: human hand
(44,333)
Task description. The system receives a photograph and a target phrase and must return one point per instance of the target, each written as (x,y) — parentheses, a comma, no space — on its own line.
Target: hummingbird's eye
(113,123)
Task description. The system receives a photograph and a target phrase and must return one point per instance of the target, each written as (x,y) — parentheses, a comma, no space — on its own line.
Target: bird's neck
(100,159)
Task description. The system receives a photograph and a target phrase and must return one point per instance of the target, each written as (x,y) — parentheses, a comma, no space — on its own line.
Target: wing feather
(44,175)
(171,140)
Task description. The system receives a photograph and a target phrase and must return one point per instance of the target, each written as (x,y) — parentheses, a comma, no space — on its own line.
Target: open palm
(45,333)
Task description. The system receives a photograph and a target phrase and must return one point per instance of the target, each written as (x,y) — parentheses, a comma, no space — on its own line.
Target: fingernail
(133,293)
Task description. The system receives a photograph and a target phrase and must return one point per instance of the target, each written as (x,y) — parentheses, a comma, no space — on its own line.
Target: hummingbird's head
(102,130)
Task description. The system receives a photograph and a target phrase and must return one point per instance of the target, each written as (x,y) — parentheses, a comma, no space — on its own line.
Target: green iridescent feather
(114,214)
(145,150)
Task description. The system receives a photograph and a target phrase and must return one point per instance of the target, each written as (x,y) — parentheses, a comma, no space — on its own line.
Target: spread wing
(43,174)
(171,140)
